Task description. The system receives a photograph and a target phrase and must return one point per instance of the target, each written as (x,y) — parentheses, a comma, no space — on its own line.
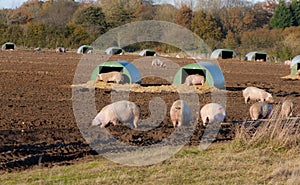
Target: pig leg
(136,114)
(247,99)
(104,124)
(135,122)
(206,121)
(174,123)
(179,123)
(115,122)
(251,114)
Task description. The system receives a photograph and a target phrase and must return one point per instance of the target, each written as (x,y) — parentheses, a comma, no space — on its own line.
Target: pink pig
(212,113)
(121,111)
(194,80)
(180,113)
(113,76)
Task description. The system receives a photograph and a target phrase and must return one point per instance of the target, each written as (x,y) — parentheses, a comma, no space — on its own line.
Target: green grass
(219,164)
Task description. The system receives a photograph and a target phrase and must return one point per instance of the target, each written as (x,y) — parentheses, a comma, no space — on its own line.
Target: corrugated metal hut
(147,52)
(84,49)
(9,46)
(114,51)
(130,72)
(223,54)
(257,56)
(295,65)
(212,73)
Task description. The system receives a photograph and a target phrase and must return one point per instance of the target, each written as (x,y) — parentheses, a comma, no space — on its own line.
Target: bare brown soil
(38,127)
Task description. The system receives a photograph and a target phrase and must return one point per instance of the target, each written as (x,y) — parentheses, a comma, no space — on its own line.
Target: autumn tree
(231,41)
(35,35)
(165,12)
(237,20)
(4,17)
(291,39)
(76,35)
(282,17)
(144,11)
(184,16)
(119,12)
(28,11)
(92,19)
(205,26)
(58,13)
(295,8)
(261,14)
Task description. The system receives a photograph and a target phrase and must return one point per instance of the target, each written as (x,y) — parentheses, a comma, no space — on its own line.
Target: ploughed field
(38,126)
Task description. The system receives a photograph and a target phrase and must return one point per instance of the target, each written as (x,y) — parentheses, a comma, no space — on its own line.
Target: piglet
(287,109)
(113,76)
(180,113)
(194,80)
(158,63)
(260,110)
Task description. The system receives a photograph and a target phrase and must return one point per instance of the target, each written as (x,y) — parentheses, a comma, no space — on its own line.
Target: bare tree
(58,12)
(165,12)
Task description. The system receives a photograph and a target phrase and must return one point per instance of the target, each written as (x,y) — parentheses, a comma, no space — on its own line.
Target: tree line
(241,25)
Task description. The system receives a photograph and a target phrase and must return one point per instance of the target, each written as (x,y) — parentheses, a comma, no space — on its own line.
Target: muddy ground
(38,126)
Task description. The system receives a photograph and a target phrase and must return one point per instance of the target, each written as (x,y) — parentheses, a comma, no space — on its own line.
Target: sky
(11,3)
(16,3)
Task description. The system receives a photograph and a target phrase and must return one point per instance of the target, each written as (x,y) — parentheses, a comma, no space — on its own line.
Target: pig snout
(96,122)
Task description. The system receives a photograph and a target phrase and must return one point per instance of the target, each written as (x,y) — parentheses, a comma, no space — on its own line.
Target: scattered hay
(276,134)
(292,77)
(153,89)
(147,89)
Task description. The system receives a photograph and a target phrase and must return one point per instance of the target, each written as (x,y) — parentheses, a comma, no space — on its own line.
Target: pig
(287,62)
(60,50)
(254,93)
(158,63)
(180,113)
(37,49)
(260,110)
(194,80)
(89,51)
(212,113)
(118,112)
(113,76)
(298,73)
(287,109)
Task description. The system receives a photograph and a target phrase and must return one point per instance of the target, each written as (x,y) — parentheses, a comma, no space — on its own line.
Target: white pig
(287,109)
(254,93)
(118,112)
(212,113)
(298,73)
(194,80)
(287,62)
(260,110)
(158,63)
(61,50)
(113,76)
(180,113)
